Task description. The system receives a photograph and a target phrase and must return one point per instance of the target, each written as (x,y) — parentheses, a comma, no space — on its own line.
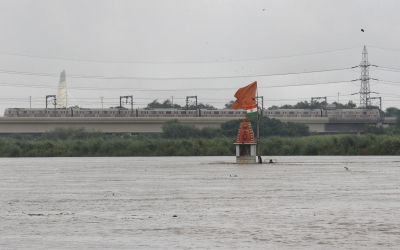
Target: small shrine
(245,144)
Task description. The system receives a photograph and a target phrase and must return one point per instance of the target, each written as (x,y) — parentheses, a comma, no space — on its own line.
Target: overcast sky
(158,49)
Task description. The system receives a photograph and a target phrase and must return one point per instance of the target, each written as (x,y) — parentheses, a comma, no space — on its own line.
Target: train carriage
(149,112)
(292,113)
(353,113)
(109,112)
(222,113)
(37,112)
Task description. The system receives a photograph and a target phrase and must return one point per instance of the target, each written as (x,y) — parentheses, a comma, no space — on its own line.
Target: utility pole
(126,101)
(54,102)
(187,101)
(172,102)
(338,97)
(101,102)
(30,102)
(262,103)
(365,88)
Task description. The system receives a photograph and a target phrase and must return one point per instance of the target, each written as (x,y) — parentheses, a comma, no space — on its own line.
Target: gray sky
(204,48)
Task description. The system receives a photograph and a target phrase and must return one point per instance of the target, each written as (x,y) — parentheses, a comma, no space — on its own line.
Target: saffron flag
(252,110)
(245,97)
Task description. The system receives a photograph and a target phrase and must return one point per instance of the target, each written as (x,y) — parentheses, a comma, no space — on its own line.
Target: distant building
(62,92)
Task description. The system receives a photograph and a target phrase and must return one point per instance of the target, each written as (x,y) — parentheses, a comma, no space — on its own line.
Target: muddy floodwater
(200,203)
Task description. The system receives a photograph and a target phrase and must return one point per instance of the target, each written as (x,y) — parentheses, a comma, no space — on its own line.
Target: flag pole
(258,132)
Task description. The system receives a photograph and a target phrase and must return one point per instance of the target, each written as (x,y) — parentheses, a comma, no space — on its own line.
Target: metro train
(150,112)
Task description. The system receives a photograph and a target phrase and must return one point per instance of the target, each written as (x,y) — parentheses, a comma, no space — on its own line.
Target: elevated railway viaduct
(134,125)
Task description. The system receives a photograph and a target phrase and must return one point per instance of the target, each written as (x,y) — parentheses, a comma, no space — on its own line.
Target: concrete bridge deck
(36,125)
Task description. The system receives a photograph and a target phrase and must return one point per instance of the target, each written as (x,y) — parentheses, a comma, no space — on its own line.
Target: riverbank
(96,145)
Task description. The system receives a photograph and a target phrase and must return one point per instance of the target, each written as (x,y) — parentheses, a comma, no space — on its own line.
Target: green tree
(201,106)
(303,105)
(230,128)
(351,104)
(391,112)
(174,129)
(372,129)
(287,106)
(273,107)
(166,104)
(229,104)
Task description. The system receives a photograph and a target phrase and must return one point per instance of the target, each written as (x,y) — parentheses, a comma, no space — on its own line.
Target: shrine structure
(245,144)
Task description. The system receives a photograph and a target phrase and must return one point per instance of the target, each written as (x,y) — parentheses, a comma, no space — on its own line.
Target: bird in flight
(362,30)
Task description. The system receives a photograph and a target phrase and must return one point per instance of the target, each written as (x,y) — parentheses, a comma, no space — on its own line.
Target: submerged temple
(245,144)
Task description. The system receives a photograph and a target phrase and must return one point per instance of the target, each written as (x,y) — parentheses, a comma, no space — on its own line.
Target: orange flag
(245,97)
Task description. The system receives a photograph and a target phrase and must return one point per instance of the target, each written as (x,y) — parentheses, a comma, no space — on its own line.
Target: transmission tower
(365,89)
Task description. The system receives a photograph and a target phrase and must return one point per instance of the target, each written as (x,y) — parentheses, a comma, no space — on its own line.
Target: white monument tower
(62,92)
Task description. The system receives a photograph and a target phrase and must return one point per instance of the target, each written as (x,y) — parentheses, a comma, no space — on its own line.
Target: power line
(383,48)
(389,69)
(181,62)
(166,78)
(149,90)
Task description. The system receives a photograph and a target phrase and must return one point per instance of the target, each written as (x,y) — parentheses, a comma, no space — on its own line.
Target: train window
(89,112)
(161,112)
(223,112)
(191,112)
(306,113)
(364,113)
(230,112)
(24,112)
(153,112)
(40,112)
(183,112)
(168,112)
(216,112)
(277,113)
(104,112)
(291,113)
(55,112)
(238,112)
(176,112)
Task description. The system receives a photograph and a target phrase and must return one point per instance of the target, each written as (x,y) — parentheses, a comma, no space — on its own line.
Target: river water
(200,203)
